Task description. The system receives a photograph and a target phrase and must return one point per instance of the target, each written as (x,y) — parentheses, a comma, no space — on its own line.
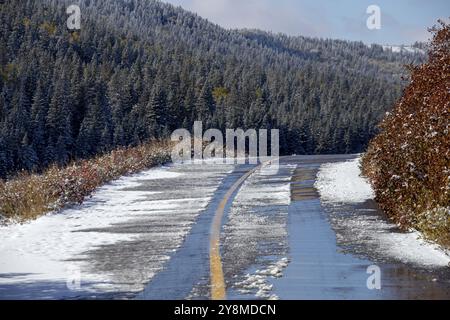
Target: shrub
(408,163)
(28,196)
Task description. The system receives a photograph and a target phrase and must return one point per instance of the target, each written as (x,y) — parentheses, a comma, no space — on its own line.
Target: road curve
(213,232)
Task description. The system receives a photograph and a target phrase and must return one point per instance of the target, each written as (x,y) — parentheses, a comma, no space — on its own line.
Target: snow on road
(255,236)
(340,184)
(125,234)
(153,210)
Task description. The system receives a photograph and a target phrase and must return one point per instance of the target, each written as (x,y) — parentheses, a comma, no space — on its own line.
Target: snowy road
(307,231)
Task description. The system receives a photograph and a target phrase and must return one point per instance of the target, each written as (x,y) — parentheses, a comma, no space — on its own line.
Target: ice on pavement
(340,184)
(153,210)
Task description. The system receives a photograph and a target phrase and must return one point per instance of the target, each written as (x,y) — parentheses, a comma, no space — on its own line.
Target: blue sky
(402,21)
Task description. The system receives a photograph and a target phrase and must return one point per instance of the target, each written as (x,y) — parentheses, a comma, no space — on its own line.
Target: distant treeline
(139,69)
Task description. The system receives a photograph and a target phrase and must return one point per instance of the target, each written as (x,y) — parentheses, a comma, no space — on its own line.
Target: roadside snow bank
(341,182)
(341,187)
(44,249)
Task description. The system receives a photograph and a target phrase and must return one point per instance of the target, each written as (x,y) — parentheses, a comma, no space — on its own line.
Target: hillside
(139,69)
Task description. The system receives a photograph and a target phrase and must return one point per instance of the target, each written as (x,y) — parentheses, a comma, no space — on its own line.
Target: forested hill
(139,69)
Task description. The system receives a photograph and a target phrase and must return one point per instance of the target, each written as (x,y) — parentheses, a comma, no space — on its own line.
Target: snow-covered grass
(28,195)
(340,183)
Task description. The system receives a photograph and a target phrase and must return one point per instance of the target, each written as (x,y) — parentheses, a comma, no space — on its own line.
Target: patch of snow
(400,49)
(339,184)
(386,241)
(342,182)
(262,188)
(259,280)
(42,249)
(275,270)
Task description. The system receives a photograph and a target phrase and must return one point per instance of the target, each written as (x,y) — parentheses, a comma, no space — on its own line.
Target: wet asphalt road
(277,250)
(277,241)
(323,267)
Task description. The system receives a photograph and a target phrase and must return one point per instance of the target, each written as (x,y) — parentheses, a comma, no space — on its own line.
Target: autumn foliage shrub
(28,196)
(408,162)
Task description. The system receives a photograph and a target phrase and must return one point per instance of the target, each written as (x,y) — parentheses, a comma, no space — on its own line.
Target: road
(238,232)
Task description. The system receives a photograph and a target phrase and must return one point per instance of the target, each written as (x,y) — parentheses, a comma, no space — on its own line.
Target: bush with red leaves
(408,162)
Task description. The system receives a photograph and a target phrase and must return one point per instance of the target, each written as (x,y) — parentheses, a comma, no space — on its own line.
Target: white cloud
(403,22)
(286,16)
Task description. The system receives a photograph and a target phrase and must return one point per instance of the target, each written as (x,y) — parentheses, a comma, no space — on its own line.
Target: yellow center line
(218,290)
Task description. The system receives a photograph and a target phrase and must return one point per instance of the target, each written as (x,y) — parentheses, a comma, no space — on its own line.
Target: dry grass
(29,196)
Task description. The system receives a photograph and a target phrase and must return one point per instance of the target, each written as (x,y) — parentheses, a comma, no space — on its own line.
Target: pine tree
(27,155)
(39,111)
(156,111)
(205,106)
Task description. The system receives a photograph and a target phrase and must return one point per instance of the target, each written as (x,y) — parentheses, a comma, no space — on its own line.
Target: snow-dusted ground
(399,49)
(340,184)
(255,235)
(41,249)
(153,210)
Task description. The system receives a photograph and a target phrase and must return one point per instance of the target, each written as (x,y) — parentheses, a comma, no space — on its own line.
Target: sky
(402,21)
